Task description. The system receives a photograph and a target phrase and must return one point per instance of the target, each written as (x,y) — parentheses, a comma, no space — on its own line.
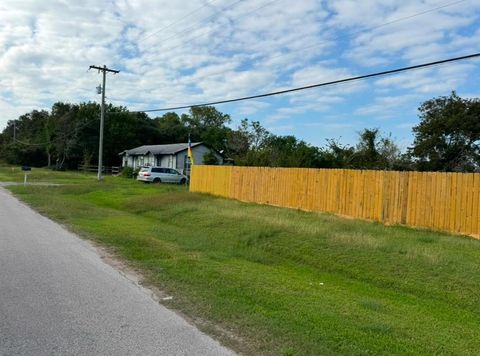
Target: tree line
(447,138)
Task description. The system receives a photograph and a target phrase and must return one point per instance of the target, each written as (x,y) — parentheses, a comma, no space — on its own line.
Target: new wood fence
(443,201)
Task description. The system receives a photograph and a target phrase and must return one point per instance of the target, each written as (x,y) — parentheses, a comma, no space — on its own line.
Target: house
(171,156)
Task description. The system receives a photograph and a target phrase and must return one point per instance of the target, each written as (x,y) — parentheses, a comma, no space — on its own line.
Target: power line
(444,5)
(212,30)
(317,44)
(175,22)
(339,81)
(188,29)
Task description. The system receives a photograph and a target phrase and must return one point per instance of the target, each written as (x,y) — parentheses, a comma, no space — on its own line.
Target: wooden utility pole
(104,70)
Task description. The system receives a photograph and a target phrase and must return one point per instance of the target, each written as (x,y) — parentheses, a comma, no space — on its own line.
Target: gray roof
(159,149)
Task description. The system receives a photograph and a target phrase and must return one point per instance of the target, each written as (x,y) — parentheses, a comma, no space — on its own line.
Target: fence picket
(445,201)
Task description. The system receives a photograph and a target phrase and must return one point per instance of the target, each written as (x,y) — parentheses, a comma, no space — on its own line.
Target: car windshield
(144,169)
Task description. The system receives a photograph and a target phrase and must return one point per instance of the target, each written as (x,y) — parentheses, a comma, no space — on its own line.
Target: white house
(171,156)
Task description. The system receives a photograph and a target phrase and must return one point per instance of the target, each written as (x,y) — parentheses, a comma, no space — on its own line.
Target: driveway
(57,296)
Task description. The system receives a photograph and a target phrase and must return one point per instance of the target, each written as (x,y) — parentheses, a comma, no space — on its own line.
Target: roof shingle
(158,149)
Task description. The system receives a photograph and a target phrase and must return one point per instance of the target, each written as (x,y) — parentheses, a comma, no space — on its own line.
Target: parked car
(161,175)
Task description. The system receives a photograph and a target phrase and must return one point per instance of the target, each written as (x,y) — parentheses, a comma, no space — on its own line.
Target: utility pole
(104,70)
(14,131)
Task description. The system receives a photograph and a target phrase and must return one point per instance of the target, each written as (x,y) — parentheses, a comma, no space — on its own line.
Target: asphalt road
(58,297)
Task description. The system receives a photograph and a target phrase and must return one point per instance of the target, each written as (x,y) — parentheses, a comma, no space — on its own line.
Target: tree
(390,155)
(207,124)
(248,144)
(336,155)
(288,151)
(375,151)
(68,135)
(210,158)
(367,155)
(238,142)
(66,123)
(28,148)
(448,135)
(171,129)
(127,130)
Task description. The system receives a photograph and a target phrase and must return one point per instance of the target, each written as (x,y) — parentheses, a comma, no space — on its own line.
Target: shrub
(210,158)
(129,172)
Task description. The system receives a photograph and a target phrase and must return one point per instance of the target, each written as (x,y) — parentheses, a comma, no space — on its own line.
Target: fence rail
(105,169)
(443,201)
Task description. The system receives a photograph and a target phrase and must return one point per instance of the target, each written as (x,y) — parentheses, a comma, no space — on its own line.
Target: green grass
(284,281)
(38,175)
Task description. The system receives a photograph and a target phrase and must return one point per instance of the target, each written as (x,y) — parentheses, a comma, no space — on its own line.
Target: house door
(186,165)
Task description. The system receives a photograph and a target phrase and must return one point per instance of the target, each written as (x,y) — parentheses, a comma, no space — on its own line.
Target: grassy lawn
(284,281)
(16,175)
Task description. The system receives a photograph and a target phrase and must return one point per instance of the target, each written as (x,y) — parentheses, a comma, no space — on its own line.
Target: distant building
(170,156)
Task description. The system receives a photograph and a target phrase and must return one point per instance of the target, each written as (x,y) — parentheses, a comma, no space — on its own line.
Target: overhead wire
(208,3)
(190,40)
(279,92)
(310,46)
(212,16)
(292,89)
(185,30)
(404,18)
(323,84)
(318,44)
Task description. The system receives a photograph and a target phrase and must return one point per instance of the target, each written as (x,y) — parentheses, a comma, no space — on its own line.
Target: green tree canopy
(68,135)
(375,151)
(448,135)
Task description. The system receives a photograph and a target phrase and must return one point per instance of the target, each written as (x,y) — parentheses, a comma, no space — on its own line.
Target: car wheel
(183,181)
(157,180)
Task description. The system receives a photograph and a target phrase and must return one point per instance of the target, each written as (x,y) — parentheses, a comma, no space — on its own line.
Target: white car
(161,175)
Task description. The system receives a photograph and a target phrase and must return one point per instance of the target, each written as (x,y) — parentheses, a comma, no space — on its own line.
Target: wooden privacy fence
(443,201)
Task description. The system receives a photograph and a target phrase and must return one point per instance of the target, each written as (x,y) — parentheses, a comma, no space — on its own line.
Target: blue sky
(172,53)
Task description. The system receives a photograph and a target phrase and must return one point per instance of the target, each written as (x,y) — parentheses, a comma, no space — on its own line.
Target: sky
(172,53)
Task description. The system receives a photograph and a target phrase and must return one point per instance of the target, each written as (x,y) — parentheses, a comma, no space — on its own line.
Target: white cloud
(405,125)
(385,106)
(429,81)
(252,107)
